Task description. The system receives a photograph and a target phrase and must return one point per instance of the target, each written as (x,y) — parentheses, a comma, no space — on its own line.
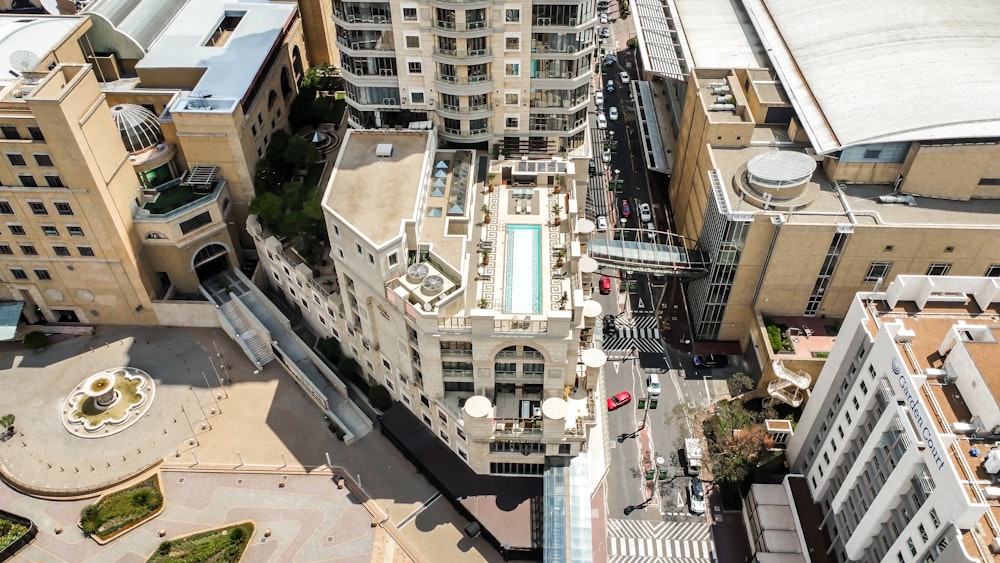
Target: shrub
(140,498)
(237,535)
(330,348)
(164,548)
(34,340)
(774,335)
(739,383)
(380,397)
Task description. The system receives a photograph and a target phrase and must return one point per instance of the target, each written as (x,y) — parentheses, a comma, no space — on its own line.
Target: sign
(920,415)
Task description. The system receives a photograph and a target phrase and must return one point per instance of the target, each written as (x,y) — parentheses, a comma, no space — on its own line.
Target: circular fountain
(108,402)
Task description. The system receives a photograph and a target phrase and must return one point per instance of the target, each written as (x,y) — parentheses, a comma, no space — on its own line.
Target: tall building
(817,177)
(898,445)
(514,75)
(477,323)
(130,136)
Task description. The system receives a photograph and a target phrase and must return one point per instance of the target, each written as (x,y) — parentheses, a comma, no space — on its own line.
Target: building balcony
(461,135)
(362,48)
(177,197)
(443,25)
(360,21)
(371,104)
(470,56)
(387,76)
(481,110)
(465,3)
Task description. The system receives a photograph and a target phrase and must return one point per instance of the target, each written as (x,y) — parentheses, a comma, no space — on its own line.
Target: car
(711,361)
(599,99)
(610,59)
(604,19)
(619,401)
(602,122)
(602,223)
(653,384)
(645,212)
(696,490)
(592,167)
(626,209)
(605,285)
(611,86)
(613,113)
(602,5)
(605,32)
(610,329)
(650,232)
(624,77)
(606,156)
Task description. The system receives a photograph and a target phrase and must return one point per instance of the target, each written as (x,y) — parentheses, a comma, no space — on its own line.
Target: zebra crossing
(631,541)
(641,331)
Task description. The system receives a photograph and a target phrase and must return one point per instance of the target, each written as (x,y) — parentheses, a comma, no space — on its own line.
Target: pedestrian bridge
(652,252)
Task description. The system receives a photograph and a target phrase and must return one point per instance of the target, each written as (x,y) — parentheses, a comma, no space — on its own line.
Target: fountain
(108,402)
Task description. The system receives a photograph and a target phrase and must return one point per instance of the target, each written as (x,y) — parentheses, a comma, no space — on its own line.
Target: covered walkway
(671,259)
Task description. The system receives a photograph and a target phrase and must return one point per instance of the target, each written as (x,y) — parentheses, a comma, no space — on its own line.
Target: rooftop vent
(432,284)
(383,150)
(417,272)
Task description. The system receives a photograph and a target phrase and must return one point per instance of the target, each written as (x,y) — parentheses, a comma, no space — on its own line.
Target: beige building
(130,148)
(805,188)
(478,324)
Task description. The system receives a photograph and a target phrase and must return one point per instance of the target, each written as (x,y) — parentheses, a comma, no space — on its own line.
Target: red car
(626,209)
(619,400)
(605,286)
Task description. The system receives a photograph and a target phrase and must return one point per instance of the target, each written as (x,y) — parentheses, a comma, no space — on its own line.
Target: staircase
(788,387)
(258,345)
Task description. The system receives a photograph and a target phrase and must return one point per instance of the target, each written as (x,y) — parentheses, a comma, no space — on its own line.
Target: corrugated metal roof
(662,45)
(142,20)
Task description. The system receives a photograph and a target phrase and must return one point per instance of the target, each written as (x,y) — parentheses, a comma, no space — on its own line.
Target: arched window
(272,96)
(297,62)
(286,87)
(155,236)
(209,252)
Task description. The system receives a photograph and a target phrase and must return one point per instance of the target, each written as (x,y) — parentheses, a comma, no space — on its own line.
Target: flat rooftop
(374,193)
(26,39)
(720,35)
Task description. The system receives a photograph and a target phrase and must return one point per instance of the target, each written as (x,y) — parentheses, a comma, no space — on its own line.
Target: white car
(624,76)
(606,156)
(605,33)
(602,122)
(611,86)
(604,19)
(650,232)
(645,212)
(599,99)
(697,491)
(613,113)
(653,384)
(602,223)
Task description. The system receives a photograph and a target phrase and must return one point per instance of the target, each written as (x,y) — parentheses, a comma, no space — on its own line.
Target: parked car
(609,325)
(602,223)
(602,121)
(624,76)
(605,32)
(619,401)
(605,285)
(592,167)
(604,19)
(599,99)
(611,86)
(610,59)
(650,232)
(626,209)
(645,212)
(696,490)
(711,361)
(613,113)
(653,384)
(606,156)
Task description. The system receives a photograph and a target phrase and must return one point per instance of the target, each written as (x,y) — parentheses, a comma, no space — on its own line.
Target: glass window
(74,231)
(36,133)
(877,270)
(511,99)
(43,275)
(43,159)
(512,15)
(417,97)
(63,207)
(6,249)
(16,229)
(414,67)
(54,182)
(938,269)
(50,230)
(27,180)
(10,132)
(512,44)
(412,41)
(512,69)
(29,250)
(18,274)
(5,208)
(16,159)
(410,14)
(993,271)
(60,250)
(85,250)
(38,208)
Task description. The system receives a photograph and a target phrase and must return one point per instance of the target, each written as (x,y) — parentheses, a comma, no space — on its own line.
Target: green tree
(267,178)
(736,442)
(379,397)
(34,340)
(323,78)
(269,207)
(300,151)
(6,421)
(329,347)
(276,148)
(739,383)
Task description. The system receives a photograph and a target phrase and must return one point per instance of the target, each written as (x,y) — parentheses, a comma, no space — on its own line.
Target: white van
(653,384)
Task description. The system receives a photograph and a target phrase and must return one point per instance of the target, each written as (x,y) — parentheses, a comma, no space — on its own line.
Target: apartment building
(805,187)
(130,136)
(517,75)
(898,446)
(476,322)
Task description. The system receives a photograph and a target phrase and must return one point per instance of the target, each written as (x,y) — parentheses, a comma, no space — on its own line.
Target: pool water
(523,270)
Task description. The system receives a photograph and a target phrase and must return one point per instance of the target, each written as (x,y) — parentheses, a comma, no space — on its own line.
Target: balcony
(465,85)
(362,47)
(470,56)
(478,110)
(177,197)
(461,26)
(354,20)
(472,135)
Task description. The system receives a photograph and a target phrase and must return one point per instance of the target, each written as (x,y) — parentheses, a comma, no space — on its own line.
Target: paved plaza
(256,427)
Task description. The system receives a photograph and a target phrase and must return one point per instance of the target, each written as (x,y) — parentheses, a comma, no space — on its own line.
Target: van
(653,384)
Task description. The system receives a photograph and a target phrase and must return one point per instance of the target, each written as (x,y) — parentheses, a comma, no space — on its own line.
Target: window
(992,272)
(393,258)
(417,97)
(195,222)
(357,247)
(43,159)
(510,122)
(935,519)
(512,15)
(989,181)
(414,67)
(16,159)
(27,180)
(5,249)
(913,548)
(253,129)
(923,532)
(511,99)
(412,41)
(888,248)
(60,250)
(409,14)
(50,230)
(5,208)
(54,182)
(16,229)
(371,258)
(85,250)
(427,421)
(43,275)
(29,250)
(36,133)
(512,69)
(74,231)
(10,132)
(878,270)
(18,274)
(424,401)
(512,44)
(938,269)
(873,153)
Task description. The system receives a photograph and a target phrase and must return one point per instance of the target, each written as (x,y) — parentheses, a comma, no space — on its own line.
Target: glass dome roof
(138,127)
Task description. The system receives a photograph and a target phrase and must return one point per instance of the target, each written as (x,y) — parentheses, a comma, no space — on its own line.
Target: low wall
(186,313)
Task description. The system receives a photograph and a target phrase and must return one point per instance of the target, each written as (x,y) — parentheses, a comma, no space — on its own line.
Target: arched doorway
(211,260)
(286,86)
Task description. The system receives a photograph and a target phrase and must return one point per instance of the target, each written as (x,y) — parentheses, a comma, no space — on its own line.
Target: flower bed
(15,532)
(221,545)
(118,512)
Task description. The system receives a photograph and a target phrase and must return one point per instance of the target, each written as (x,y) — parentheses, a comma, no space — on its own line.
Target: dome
(138,127)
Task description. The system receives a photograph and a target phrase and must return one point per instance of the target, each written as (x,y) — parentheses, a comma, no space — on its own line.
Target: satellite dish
(24,61)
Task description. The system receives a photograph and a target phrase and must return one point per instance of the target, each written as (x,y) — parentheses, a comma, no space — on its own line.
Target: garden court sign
(917,410)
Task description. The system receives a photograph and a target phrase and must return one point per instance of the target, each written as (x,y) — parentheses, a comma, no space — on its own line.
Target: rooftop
(720,35)
(915,67)
(26,40)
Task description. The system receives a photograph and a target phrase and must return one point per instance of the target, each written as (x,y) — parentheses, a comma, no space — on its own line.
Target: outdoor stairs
(788,387)
(245,331)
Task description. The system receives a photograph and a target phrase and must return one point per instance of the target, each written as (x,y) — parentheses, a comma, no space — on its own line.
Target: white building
(494,355)
(898,444)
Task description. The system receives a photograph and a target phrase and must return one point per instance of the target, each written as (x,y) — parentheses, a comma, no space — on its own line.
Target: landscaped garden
(222,545)
(117,512)
(10,532)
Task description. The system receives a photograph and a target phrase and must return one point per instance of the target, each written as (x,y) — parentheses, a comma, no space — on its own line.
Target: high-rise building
(514,75)
(899,443)
(130,136)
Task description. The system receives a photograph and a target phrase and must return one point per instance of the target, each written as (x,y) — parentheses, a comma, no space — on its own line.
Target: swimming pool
(523,270)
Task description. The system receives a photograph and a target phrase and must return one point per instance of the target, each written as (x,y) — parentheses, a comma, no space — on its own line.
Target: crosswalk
(631,541)
(640,331)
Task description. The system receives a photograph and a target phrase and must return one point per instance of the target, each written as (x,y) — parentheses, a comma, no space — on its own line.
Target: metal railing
(456,54)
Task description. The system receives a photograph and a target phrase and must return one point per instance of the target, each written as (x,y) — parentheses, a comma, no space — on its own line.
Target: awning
(10,314)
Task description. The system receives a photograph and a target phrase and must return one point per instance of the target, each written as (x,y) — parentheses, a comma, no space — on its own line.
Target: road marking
(413,515)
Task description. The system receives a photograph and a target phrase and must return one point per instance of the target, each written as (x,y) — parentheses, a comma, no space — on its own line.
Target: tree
(34,340)
(300,151)
(323,78)
(267,178)
(379,397)
(269,207)
(739,383)
(330,348)
(736,442)
(6,421)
